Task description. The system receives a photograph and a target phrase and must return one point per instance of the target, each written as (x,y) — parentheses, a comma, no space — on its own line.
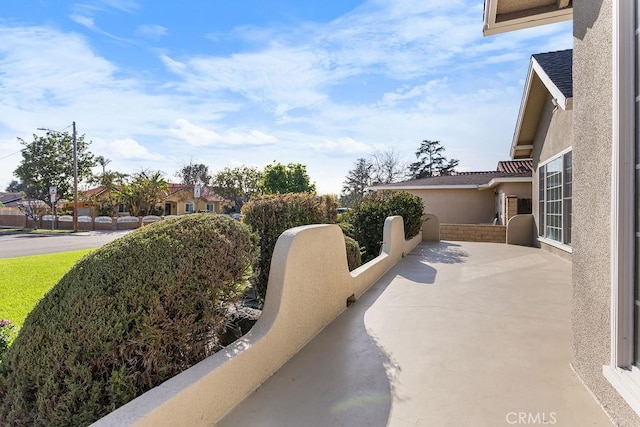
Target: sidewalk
(456,334)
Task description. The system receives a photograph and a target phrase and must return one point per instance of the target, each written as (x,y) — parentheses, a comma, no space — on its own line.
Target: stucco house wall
(592,160)
(459,206)
(520,189)
(553,136)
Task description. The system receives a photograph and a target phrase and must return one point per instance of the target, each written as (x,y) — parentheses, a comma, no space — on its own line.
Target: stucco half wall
(459,205)
(309,285)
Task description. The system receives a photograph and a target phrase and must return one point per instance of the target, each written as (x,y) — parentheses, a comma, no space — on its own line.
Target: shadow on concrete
(340,378)
(417,266)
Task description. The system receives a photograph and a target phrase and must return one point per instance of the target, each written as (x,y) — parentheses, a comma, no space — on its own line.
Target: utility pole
(75,180)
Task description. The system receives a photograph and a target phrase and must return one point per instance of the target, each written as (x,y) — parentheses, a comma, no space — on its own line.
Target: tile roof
(515,166)
(93,191)
(206,194)
(461,179)
(559,67)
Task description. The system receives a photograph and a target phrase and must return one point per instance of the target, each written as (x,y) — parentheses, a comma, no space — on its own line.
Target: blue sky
(157,84)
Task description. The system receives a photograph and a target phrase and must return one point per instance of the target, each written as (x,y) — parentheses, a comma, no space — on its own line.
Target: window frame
(621,372)
(213,208)
(542,204)
(186,209)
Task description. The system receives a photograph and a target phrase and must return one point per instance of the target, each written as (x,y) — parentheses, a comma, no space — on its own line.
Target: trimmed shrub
(271,215)
(354,257)
(125,318)
(7,333)
(368,216)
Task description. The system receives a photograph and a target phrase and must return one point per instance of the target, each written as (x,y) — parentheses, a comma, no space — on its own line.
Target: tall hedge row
(125,318)
(368,216)
(271,215)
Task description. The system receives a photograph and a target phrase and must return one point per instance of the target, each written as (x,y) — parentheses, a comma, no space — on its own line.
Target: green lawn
(24,280)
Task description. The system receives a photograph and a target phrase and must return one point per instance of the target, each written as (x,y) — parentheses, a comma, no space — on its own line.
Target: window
(122,208)
(211,208)
(188,208)
(554,199)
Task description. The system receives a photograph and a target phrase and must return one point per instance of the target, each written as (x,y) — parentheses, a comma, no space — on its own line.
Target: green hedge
(125,318)
(368,215)
(271,215)
(354,255)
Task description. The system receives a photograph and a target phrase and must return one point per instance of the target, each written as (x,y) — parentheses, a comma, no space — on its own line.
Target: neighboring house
(10,200)
(181,200)
(605,165)
(544,134)
(178,201)
(473,197)
(89,202)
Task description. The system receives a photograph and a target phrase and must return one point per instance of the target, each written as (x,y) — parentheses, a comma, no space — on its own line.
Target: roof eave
(492,27)
(424,187)
(496,181)
(560,100)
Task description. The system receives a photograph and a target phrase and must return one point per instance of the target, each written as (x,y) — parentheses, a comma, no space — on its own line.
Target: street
(21,244)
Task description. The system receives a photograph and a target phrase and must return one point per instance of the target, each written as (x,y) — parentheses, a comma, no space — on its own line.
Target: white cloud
(198,136)
(345,145)
(152,32)
(419,92)
(85,21)
(125,149)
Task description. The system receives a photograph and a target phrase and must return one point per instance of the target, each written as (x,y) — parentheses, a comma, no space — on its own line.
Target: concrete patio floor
(456,334)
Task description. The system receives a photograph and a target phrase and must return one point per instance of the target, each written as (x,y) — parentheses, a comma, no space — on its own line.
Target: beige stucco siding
(520,189)
(554,135)
(591,314)
(459,206)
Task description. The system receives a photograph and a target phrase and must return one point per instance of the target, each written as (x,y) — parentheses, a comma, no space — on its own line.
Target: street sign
(52,193)
(196,191)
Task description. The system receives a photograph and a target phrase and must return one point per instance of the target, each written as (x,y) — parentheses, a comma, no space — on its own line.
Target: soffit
(508,15)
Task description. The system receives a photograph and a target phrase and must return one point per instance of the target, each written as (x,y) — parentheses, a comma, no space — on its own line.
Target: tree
(292,178)
(356,182)
(108,201)
(103,162)
(431,161)
(48,161)
(33,209)
(146,190)
(237,184)
(387,167)
(194,174)
(15,187)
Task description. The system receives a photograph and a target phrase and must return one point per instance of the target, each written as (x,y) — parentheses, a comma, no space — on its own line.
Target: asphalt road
(21,244)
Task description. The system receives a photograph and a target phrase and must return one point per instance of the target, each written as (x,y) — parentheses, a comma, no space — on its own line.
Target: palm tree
(146,190)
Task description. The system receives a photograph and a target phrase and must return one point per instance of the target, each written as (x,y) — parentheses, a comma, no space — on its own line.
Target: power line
(12,154)
(19,151)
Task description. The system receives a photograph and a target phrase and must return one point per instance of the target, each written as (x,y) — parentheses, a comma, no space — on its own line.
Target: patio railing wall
(309,286)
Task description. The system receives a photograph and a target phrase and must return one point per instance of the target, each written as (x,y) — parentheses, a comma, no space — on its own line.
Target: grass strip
(25,280)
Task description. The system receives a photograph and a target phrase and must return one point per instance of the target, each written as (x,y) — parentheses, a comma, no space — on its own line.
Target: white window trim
(193,207)
(620,372)
(555,244)
(546,240)
(555,156)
